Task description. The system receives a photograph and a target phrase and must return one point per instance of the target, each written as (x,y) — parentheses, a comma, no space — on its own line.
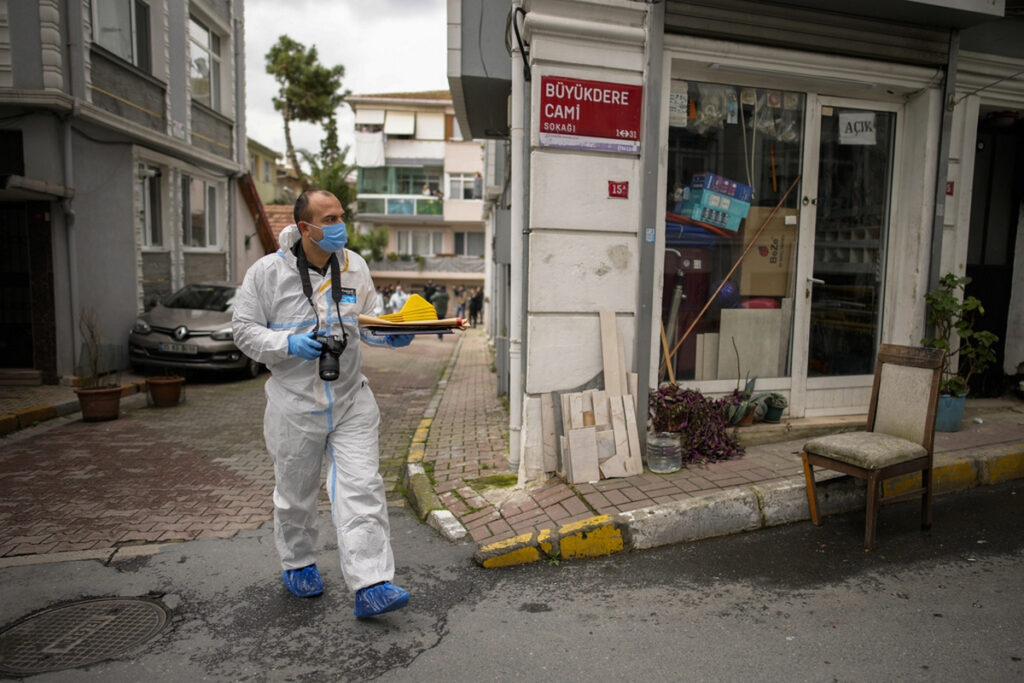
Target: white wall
(463,157)
(583,248)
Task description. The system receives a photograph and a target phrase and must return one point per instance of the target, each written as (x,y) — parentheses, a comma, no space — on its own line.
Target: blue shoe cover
(378,599)
(305,582)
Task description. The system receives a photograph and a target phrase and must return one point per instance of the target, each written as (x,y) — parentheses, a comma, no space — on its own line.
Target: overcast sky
(384,45)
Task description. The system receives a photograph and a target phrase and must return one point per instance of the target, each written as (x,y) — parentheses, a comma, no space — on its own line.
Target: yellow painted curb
(521,549)
(422,431)
(956,476)
(515,557)
(592,537)
(1004,468)
(28,416)
(545,542)
(8,423)
(498,546)
(416,452)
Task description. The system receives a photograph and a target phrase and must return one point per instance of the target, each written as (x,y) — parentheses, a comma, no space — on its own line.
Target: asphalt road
(793,603)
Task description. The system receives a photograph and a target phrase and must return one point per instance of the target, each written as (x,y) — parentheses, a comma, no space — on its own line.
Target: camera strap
(307,287)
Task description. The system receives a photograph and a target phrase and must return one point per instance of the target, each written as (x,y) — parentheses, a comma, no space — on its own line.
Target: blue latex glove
(304,346)
(399,340)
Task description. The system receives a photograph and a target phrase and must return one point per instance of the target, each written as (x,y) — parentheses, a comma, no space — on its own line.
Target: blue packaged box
(721,185)
(718,201)
(715,217)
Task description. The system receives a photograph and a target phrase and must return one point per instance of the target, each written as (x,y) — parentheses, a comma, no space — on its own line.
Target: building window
(469,244)
(122,26)
(199,213)
(419,242)
(407,180)
(464,186)
(152,219)
(204,65)
(267,176)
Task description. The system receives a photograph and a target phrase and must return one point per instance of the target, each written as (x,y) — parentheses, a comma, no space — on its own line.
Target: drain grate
(78,634)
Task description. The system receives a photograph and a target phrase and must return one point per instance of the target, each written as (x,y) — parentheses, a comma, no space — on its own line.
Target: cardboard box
(768,267)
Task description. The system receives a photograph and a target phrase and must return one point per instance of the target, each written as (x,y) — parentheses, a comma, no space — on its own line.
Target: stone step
(24,377)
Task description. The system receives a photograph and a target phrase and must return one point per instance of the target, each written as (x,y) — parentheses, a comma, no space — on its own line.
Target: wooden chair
(899,436)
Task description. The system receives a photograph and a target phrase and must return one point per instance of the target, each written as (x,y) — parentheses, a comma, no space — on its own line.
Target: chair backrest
(905,393)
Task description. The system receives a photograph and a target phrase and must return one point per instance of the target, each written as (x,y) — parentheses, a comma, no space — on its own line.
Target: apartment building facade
(420,178)
(869,148)
(123,133)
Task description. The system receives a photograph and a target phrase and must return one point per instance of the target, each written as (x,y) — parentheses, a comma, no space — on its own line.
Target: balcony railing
(400,205)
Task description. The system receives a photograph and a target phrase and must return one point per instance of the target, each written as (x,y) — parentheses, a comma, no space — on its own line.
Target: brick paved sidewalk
(196,470)
(467,442)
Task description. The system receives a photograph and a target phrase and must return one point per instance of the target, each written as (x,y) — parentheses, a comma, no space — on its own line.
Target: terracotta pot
(99,404)
(165,391)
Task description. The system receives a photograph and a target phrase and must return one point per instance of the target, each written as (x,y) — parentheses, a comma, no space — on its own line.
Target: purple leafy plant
(702,422)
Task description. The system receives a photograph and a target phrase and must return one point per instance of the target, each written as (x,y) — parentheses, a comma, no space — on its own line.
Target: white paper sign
(678,103)
(856,128)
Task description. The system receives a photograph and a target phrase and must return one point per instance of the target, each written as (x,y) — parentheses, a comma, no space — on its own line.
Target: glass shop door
(846,204)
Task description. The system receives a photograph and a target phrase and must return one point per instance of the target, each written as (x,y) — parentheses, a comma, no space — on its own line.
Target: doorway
(847,207)
(995,215)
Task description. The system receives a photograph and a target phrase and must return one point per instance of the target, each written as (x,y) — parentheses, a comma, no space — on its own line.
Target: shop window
(122,27)
(199,212)
(732,153)
(204,63)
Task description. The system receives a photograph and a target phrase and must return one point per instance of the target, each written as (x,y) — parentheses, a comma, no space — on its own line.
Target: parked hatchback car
(190,330)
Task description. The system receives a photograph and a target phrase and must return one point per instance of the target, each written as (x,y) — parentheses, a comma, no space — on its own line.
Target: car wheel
(252,369)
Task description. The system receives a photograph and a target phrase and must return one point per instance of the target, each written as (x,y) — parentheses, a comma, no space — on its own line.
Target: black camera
(331,348)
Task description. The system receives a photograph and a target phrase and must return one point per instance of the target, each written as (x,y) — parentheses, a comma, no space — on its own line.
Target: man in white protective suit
(297,312)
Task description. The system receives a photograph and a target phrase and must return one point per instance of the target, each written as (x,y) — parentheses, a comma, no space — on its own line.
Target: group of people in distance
(468,302)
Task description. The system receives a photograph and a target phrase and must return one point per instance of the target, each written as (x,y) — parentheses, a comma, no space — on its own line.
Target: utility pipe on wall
(518,219)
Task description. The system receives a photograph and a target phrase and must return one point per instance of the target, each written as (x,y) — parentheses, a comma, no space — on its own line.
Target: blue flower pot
(950,413)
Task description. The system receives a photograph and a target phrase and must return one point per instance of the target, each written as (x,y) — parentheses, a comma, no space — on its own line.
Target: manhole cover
(78,634)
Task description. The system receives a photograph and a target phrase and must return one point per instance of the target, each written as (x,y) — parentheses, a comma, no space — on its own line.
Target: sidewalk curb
(730,511)
(27,417)
(418,488)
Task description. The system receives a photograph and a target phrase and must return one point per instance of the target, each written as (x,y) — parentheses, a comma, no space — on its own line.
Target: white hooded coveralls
(306,416)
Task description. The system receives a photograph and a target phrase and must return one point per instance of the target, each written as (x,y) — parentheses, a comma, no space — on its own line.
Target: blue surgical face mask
(335,237)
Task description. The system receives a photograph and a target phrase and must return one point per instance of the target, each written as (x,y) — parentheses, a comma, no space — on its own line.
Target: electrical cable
(985,87)
(519,39)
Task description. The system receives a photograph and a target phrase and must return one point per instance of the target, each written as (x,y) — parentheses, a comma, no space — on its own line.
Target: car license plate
(174,347)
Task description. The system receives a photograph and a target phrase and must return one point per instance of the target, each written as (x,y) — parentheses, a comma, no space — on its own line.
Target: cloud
(384,45)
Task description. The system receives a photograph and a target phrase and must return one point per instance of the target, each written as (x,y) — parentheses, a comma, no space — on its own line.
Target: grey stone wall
(123,90)
(211,132)
(205,267)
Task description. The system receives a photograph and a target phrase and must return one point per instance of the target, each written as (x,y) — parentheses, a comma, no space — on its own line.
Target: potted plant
(741,404)
(774,403)
(165,390)
(99,394)
(699,423)
(968,351)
